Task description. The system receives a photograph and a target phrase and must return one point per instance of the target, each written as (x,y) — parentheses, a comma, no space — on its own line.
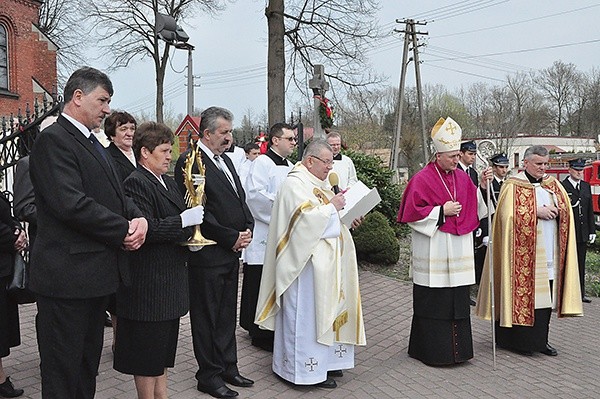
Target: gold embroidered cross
(450,128)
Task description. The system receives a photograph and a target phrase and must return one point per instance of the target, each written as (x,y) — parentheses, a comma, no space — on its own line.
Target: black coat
(83,216)
(583,209)
(159,276)
(7,237)
(225,213)
(123,165)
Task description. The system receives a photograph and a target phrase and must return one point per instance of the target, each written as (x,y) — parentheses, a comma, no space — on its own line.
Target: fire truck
(591,174)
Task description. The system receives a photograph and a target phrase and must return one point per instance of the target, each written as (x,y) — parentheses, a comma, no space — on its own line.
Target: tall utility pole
(410,37)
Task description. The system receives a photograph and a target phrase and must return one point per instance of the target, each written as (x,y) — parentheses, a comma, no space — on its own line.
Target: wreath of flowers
(325,112)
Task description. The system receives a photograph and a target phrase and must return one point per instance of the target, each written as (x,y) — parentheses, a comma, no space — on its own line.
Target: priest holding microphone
(309,293)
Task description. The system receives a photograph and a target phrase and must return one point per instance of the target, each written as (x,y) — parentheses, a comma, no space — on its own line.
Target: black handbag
(17,287)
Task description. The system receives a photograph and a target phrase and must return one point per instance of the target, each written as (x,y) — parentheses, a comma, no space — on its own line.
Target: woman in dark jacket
(120,127)
(149,309)
(12,239)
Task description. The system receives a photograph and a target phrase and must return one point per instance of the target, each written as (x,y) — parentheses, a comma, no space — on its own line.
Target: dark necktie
(98,146)
(222,167)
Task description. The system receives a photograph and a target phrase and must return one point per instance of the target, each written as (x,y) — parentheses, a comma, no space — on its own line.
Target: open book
(359,201)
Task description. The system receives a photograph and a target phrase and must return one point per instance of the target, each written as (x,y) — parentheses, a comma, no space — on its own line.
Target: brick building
(27,57)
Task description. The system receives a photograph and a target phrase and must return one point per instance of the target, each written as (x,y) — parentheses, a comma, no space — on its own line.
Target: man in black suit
(214,269)
(85,222)
(468,152)
(580,195)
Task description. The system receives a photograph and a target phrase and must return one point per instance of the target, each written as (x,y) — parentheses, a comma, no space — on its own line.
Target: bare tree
(557,84)
(61,21)
(126,31)
(334,33)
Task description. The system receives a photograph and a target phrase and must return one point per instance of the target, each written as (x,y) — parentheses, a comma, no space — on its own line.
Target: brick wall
(30,55)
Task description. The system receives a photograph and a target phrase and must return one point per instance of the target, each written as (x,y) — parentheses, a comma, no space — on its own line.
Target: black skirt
(441,326)
(145,348)
(10,333)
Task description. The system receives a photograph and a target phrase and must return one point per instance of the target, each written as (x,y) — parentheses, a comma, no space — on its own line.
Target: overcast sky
(469,41)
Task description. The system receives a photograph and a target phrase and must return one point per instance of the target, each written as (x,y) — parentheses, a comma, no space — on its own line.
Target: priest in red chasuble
(440,204)
(534,259)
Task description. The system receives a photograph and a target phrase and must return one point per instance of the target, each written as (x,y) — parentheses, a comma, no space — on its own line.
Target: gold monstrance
(194,196)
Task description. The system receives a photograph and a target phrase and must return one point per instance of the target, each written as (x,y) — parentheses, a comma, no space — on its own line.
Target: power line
(562,13)
(480,7)
(465,73)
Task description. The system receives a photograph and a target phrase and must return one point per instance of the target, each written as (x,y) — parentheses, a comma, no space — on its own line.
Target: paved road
(383,369)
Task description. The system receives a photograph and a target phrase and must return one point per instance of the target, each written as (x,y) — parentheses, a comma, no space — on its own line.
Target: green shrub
(371,171)
(376,241)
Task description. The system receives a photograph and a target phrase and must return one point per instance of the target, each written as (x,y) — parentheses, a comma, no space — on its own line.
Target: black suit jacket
(123,166)
(24,198)
(583,209)
(225,212)
(159,276)
(472,174)
(82,214)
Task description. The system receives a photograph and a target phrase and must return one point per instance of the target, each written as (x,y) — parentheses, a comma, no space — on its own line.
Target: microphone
(334,180)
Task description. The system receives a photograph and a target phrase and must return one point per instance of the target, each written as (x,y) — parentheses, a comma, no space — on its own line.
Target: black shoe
(335,373)
(472,302)
(238,381)
(549,351)
(586,299)
(221,392)
(7,389)
(263,343)
(329,383)
(108,320)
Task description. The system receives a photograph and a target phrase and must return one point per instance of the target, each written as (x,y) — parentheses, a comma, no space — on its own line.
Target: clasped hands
(547,212)
(244,239)
(136,234)
(21,241)
(452,208)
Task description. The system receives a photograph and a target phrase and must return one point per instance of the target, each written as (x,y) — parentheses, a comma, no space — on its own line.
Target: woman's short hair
(116,119)
(151,135)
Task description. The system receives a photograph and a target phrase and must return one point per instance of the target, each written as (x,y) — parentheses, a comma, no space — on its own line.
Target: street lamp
(166,28)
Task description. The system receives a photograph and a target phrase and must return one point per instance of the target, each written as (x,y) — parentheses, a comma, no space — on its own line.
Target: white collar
(80,126)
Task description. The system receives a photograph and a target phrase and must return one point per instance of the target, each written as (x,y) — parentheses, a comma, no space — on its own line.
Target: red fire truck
(591,174)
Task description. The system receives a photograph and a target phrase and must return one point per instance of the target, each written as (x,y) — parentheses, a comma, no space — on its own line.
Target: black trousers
(213,313)
(581,254)
(70,335)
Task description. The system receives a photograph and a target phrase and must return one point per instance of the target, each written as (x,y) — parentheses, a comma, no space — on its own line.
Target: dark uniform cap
(468,146)
(499,159)
(577,164)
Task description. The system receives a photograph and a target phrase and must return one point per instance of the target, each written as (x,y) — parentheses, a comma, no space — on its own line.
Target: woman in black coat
(120,127)
(149,309)
(12,239)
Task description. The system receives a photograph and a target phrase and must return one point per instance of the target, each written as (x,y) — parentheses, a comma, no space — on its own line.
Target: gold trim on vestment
(268,307)
(286,237)
(339,322)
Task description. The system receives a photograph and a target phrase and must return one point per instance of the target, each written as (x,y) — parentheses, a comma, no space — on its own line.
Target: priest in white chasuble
(309,293)
(534,259)
(440,204)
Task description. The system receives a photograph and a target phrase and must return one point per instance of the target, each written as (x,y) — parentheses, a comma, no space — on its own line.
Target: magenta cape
(425,191)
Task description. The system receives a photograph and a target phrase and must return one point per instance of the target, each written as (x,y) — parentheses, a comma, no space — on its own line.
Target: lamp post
(166,28)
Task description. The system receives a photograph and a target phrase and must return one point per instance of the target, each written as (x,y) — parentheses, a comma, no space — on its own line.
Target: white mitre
(446,135)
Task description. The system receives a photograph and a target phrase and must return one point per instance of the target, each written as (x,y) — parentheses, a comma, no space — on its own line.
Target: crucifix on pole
(319,87)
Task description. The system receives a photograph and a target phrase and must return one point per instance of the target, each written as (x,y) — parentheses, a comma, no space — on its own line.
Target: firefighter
(580,195)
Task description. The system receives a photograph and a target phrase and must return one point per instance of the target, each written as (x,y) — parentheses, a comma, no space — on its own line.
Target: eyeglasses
(327,163)
(290,139)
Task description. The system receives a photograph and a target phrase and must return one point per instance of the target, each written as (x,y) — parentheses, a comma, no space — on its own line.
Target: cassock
(309,292)
(442,265)
(345,169)
(266,175)
(535,264)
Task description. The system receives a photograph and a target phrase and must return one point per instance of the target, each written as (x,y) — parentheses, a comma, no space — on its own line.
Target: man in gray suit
(85,225)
